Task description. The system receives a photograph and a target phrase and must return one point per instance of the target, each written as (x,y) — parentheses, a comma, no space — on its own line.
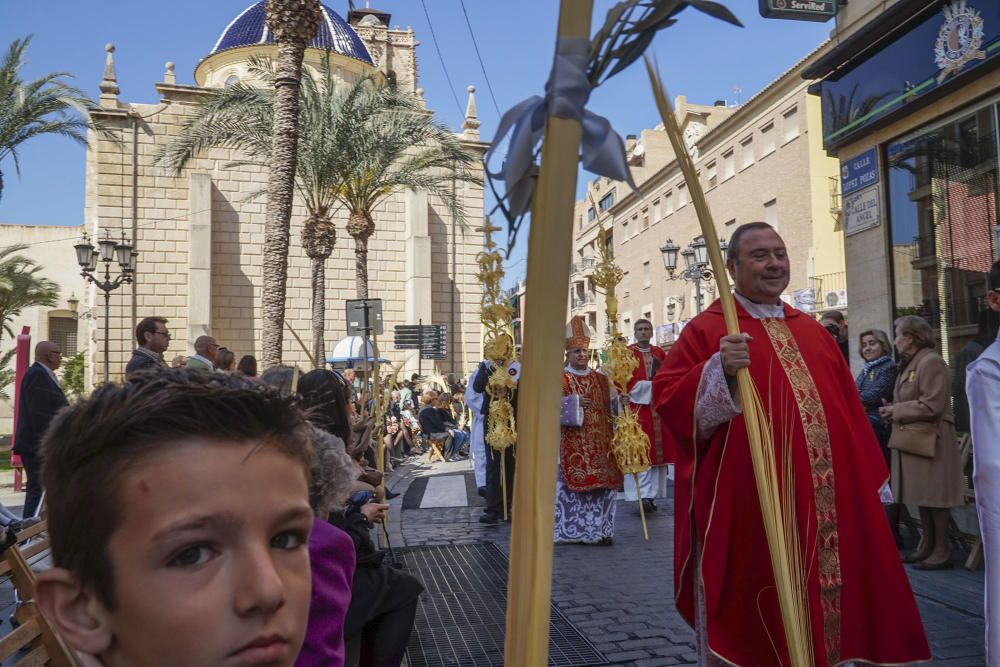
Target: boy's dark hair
(91,445)
(147,325)
(641,321)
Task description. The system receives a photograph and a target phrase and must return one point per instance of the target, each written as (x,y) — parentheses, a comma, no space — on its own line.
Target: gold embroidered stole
(817,435)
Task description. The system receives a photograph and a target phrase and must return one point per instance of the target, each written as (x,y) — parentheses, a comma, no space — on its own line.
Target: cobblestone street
(621,597)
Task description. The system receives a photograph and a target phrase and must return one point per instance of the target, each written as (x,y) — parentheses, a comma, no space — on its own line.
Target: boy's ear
(76,613)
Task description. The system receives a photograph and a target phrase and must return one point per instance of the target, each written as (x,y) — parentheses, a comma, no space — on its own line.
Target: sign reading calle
(860,191)
(798,10)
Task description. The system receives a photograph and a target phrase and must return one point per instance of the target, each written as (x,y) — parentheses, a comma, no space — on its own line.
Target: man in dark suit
(153,339)
(39,399)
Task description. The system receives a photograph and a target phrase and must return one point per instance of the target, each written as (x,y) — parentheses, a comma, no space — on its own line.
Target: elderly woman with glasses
(926,468)
(876,382)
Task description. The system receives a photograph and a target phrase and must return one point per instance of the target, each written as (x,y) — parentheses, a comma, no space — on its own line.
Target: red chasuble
(585,454)
(860,601)
(661,451)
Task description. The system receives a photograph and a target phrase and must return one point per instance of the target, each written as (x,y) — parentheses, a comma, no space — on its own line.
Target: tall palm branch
(28,109)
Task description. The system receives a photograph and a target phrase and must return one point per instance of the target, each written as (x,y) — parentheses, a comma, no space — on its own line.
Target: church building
(200,235)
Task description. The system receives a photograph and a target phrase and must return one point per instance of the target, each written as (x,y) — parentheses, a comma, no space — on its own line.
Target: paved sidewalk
(621,597)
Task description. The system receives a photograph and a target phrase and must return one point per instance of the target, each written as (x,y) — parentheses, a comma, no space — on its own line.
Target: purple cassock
(331,555)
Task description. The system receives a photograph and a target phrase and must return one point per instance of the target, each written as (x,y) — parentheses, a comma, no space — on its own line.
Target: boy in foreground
(179,517)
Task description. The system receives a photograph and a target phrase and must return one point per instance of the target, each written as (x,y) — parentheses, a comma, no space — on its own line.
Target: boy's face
(211,562)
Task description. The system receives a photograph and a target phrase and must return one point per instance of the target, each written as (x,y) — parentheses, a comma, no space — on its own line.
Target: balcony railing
(581,301)
(826,291)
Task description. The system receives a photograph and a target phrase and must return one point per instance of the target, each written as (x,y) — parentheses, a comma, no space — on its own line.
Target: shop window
(942,196)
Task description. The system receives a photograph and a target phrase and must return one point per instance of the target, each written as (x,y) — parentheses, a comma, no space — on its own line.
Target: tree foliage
(29,109)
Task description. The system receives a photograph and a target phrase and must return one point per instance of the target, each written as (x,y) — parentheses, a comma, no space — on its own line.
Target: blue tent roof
(334,33)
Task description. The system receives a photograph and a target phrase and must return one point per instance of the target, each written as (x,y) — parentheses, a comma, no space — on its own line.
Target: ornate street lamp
(669,251)
(108,251)
(696,267)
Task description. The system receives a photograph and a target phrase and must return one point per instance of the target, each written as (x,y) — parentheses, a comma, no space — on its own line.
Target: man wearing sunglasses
(153,338)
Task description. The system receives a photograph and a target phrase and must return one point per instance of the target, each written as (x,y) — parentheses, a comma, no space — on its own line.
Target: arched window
(232,80)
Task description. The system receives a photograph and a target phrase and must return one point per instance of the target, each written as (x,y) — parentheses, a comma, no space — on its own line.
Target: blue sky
(699,57)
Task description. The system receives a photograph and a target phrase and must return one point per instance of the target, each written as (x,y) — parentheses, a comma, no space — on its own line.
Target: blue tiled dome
(334,33)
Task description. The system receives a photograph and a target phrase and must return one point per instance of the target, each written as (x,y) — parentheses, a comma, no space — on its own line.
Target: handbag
(917,438)
(571,412)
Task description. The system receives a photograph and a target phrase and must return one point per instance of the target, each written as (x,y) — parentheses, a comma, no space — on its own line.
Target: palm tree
(30,109)
(293,24)
(21,287)
(388,142)
(338,126)
(241,117)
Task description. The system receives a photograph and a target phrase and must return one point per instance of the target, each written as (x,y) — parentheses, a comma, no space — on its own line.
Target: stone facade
(200,236)
(762,160)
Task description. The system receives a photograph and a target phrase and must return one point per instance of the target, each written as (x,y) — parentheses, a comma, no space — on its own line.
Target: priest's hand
(734,352)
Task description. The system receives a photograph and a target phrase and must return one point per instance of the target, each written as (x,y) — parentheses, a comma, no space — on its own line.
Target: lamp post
(696,266)
(108,251)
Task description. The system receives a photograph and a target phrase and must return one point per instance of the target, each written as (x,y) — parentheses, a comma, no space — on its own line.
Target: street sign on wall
(798,10)
(861,195)
(862,210)
(859,172)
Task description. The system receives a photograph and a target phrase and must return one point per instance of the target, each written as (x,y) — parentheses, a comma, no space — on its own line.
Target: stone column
(418,270)
(199,292)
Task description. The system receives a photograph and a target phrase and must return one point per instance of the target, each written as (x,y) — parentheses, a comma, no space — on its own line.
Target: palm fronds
(22,285)
(29,109)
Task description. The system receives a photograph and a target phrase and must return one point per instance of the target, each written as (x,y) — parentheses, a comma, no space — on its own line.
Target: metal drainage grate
(461,616)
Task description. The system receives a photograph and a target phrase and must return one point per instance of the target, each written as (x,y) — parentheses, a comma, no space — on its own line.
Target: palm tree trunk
(361,265)
(279,198)
(361,226)
(319,309)
(293,24)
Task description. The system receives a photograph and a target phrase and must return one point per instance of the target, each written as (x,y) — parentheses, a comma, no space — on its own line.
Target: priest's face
(643,333)
(577,358)
(761,269)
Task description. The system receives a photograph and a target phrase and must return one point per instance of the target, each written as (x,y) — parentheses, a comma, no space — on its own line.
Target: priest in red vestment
(653,482)
(861,607)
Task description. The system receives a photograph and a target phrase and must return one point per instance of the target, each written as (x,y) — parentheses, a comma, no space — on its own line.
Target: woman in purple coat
(331,555)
